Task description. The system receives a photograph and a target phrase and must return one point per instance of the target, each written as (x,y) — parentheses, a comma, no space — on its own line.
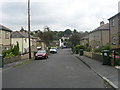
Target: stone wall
(13,59)
(94,56)
(88,54)
(97,57)
(17,58)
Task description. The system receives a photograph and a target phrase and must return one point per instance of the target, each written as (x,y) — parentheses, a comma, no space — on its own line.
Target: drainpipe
(101,39)
(22,45)
(109,34)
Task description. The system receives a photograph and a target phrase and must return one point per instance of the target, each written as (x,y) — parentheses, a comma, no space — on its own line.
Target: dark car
(41,54)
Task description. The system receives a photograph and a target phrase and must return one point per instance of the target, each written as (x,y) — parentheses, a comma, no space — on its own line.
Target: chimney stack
(101,23)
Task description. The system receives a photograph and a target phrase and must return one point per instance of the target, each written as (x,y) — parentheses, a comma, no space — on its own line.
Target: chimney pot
(101,23)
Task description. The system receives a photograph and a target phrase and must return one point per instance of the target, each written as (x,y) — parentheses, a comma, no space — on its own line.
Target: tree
(75,39)
(47,36)
(60,34)
(15,49)
(67,32)
(75,31)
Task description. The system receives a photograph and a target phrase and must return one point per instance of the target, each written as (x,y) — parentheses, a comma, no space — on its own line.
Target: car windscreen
(53,48)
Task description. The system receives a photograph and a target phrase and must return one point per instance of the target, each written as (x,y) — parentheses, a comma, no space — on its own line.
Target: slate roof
(18,34)
(85,38)
(5,28)
(102,27)
(118,14)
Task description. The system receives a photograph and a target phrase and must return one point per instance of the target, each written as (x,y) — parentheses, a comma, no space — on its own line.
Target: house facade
(62,40)
(23,39)
(84,40)
(99,36)
(5,40)
(41,44)
(115,31)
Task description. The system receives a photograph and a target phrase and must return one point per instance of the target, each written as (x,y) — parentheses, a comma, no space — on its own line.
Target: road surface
(61,70)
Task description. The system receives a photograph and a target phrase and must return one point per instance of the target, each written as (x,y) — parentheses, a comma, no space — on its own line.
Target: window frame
(6,35)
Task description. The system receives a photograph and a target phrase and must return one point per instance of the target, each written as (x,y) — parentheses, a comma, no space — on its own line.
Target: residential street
(61,70)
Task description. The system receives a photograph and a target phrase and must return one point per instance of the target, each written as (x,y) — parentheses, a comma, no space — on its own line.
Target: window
(113,22)
(25,40)
(6,35)
(113,40)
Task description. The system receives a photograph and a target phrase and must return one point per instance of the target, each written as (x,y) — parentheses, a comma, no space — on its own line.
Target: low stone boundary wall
(97,57)
(17,58)
(88,54)
(13,59)
(94,56)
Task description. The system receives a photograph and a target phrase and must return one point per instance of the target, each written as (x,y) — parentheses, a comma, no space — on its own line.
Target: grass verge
(22,63)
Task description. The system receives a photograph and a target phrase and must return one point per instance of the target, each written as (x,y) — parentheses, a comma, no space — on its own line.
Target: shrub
(101,48)
(11,52)
(9,55)
(88,49)
(106,48)
(78,47)
(6,52)
(15,49)
(98,49)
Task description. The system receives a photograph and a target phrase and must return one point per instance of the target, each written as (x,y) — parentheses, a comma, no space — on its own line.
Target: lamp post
(29,28)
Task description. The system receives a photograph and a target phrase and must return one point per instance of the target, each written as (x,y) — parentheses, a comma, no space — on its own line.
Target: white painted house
(23,40)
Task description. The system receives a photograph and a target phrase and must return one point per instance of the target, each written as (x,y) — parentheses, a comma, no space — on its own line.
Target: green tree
(75,39)
(47,36)
(60,34)
(15,49)
(67,32)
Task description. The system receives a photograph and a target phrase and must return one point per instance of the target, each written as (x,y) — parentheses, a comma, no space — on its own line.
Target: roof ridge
(20,33)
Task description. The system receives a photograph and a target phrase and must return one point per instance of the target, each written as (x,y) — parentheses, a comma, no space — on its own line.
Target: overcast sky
(83,15)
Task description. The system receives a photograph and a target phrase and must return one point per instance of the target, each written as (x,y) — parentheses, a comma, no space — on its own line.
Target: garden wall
(94,56)
(97,57)
(88,54)
(17,58)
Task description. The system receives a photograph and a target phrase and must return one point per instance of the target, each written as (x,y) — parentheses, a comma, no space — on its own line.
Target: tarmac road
(61,70)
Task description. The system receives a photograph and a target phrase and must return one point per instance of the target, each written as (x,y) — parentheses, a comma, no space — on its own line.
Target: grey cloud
(79,14)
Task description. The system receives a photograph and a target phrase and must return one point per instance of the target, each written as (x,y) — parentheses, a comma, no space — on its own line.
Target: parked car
(41,54)
(53,50)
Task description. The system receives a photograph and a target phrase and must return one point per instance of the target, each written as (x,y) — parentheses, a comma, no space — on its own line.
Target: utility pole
(29,28)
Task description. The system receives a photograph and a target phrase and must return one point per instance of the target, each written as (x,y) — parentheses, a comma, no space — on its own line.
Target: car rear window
(41,51)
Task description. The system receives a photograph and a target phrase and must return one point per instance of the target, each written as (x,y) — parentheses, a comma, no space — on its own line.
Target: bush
(9,55)
(15,50)
(106,48)
(88,49)
(11,52)
(78,47)
(6,52)
(100,49)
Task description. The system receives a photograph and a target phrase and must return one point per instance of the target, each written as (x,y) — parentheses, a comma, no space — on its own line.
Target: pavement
(109,73)
(10,65)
